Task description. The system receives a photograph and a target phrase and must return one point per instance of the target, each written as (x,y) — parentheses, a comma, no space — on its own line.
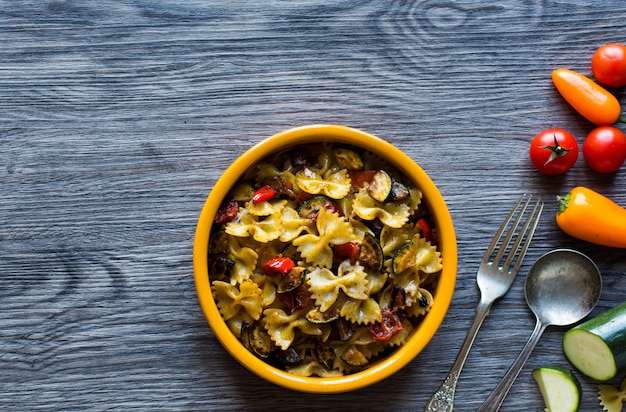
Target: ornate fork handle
(443,399)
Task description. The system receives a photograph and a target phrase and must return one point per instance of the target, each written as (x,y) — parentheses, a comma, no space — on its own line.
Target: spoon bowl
(562,287)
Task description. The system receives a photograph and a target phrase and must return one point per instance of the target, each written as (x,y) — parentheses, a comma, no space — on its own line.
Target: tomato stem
(557,150)
(621,120)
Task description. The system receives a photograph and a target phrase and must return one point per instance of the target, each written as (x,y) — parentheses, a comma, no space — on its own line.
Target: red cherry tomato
(608,65)
(554,151)
(604,149)
(386,328)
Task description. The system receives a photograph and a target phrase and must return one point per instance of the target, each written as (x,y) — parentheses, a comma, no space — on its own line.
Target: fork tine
(530,232)
(504,246)
(496,239)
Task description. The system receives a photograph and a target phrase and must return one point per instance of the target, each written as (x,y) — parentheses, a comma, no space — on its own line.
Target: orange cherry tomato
(587,97)
(608,65)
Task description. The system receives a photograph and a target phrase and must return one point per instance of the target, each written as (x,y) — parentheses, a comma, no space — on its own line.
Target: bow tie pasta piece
(267,171)
(393,214)
(281,326)
(331,230)
(311,367)
(293,225)
(421,305)
(325,286)
(247,224)
(361,311)
(267,208)
(231,300)
(336,185)
(392,239)
(245,261)
(611,398)
(417,254)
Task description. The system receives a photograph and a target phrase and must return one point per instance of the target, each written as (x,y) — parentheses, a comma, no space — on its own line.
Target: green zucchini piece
(309,209)
(403,259)
(380,188)
(317,316)
(348,159)
(354,357)
(292,280)
(325,355)
(256,339)
(597,347)
(559,388)
(371,253)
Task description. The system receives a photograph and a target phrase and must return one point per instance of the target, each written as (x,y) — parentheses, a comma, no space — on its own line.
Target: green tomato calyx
(557,151)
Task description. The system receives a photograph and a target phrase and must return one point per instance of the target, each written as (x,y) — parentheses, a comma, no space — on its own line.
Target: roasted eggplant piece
(292,280)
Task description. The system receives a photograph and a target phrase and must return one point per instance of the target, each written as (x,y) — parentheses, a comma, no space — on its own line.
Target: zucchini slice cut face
(380,188)
(371,253)
(597,347)
(256,339)
(291,280)
(559,387)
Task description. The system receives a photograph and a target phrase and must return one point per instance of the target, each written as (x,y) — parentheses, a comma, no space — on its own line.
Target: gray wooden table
(117,117)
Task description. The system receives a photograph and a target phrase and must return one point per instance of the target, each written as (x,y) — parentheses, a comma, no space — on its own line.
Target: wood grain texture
(117,117)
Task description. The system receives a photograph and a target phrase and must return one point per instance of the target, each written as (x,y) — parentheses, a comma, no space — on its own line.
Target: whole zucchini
(597,347)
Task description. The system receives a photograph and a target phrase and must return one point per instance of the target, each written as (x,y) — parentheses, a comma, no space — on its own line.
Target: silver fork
(495,276)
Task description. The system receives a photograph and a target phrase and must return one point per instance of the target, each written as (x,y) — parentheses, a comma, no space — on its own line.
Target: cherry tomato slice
(604,149)
(554,151)
(608,65)
(386,328)
(227,212)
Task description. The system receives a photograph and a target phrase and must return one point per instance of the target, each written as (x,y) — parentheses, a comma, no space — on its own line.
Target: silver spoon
(562,287)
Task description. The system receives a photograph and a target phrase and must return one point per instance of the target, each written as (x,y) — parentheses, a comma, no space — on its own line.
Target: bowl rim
(448,247)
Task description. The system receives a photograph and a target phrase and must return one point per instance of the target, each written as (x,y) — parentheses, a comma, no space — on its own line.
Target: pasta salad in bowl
(324,259)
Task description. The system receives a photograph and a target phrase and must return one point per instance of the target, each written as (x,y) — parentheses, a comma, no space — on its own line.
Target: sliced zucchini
(292,280)
(354,357)
(348,159)
(371,253)
(256,339)
(325,355)
(309,209)
(403,259)
(398,192)
(559,388)
(380,188)
(317,316)
(597,347)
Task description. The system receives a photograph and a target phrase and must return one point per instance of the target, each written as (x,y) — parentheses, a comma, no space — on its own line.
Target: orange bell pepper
(588,98)
(590,216)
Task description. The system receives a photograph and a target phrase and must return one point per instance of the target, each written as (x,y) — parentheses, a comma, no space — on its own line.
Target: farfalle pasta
(323,259)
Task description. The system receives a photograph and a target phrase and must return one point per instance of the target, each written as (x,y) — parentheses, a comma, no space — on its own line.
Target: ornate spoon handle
(443,399)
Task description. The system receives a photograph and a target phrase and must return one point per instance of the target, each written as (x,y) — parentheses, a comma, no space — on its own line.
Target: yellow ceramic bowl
(442,296)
